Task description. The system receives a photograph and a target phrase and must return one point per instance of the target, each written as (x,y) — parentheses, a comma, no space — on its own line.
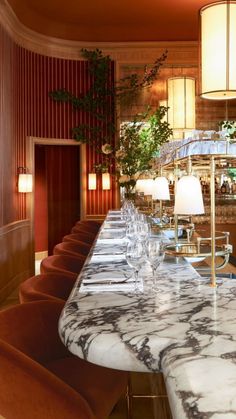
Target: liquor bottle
(223,188)
(233,189)
(227,187)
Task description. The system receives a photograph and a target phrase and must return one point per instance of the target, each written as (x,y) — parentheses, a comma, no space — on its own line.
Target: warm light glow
(181,102)
(25,182)
(165,104)
(145,186)
(92,181)
(188,198)
(218,46)
(106,181)
(161,189)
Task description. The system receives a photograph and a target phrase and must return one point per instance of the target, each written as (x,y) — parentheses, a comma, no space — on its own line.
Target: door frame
(30,164)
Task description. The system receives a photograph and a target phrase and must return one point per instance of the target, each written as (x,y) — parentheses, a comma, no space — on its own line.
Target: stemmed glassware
(131,231)
(143,231)
(155,255)
(136,256)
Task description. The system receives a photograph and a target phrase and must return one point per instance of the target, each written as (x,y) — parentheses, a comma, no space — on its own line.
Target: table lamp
(161,192)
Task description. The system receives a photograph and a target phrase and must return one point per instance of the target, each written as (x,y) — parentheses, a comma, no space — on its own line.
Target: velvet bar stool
(40,379)
(62,264)
(74,249)
(92,225)
(80,236)
(50,286)
(81,228)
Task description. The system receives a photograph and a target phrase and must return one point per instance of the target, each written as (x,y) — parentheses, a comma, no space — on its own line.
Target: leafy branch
(101,99)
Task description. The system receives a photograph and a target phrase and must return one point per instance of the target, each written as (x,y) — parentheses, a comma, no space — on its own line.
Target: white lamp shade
(181,102)
(218,46)
(92,181)
(25,182)
(161,189)
(145,186)
(188,198)
(106,181)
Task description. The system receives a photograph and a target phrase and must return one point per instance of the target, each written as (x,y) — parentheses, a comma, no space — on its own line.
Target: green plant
(230,127)
(139,143)
(102,101)
(102,98)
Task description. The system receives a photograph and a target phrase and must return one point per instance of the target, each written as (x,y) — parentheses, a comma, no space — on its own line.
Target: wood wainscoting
(16,262)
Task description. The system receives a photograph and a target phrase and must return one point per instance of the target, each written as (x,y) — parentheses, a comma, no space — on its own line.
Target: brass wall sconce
(92,181)
(25,180)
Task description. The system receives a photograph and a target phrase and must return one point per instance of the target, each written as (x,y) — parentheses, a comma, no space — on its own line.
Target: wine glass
(143,230)
(131,231)
(155,255)
(135,256)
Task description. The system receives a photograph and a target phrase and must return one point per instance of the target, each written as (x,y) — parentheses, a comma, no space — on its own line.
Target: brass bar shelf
(213,163)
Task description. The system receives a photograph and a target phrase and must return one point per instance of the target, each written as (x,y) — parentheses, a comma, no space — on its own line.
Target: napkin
(128,286)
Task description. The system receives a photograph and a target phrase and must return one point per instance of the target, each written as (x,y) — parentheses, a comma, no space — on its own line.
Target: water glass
(155,255)
(131,231)
(136,256)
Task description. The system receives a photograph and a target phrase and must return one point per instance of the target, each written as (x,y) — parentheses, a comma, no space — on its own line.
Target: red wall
(41,201)
(26,110)
(42,117)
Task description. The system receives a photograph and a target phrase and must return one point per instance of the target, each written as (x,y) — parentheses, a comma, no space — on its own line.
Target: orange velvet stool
(92,225)
(40,379)
(62,264)
(74,249)
(81,228)
(80,236)
(50,286)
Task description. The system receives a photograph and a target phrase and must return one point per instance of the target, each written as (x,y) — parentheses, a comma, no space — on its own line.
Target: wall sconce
(181,103)
(25,180)
(92,181)
(106,181)
(218,43)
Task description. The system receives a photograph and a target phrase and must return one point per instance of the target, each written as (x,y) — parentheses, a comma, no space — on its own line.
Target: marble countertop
(186,329)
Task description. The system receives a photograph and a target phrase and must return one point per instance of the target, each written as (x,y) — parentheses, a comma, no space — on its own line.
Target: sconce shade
(92,181)
(145,186)
(25,182)
(106,181)
(181,102)
(161,189)
(218,46)
(188,198)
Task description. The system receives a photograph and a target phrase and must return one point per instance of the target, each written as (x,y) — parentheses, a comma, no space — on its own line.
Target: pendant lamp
(181,102)
(218,50)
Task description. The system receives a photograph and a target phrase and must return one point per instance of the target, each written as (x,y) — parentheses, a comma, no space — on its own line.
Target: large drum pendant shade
(181,102)
(218,50)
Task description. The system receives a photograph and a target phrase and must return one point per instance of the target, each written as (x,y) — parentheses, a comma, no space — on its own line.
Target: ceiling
(112,20)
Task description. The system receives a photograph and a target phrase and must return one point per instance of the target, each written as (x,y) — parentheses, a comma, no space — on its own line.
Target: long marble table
(186,329)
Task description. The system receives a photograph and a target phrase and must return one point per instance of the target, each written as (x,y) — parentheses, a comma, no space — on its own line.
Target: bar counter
(185,329)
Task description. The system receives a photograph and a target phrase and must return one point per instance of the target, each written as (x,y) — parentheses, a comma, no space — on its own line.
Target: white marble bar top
(186,329)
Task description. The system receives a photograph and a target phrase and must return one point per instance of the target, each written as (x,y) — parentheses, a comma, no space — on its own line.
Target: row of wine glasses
(138,231)
(138,252)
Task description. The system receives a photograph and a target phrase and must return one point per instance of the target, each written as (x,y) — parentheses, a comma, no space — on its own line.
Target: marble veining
(186,329)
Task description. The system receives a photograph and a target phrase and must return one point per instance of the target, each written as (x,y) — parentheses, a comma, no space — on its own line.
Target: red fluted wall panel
(45,118)
(26,78)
